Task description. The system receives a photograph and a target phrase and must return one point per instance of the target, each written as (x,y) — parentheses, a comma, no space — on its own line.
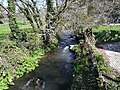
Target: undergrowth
(15,62)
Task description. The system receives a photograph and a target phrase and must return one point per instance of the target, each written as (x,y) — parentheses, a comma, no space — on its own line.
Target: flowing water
(55,70)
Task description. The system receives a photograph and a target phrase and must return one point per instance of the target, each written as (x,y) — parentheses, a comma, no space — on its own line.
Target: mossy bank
(91,71)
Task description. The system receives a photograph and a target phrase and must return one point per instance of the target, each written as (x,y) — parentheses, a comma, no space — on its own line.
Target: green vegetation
(21,56)
(29,63)
(106,27)
(106,74)
(16,64)
(22,21)
(102,65)
(5,30)
(107,36)
(85,73)
(107,33)
(21,51)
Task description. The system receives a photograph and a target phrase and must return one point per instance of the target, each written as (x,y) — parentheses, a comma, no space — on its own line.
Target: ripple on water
(55,68)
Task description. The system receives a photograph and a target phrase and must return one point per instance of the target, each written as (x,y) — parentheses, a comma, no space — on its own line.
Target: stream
(55,69)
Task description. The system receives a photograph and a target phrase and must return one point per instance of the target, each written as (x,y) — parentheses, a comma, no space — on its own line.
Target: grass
(106,27)
(5,30)
(108,34)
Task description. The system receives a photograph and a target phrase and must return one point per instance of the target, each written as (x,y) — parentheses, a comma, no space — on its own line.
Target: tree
(2,8)
(49,21)
(31,11)
(1,16)
(53,17)
(12,19)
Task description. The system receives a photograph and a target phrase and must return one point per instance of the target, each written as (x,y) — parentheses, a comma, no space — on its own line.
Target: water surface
(55,70)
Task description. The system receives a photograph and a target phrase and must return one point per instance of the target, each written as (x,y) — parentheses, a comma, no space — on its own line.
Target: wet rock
(34,84)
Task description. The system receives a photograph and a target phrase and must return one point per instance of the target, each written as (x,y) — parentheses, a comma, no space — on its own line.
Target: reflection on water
(55,70)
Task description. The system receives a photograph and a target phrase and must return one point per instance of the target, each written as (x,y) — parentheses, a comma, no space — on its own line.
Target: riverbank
(110,74)
(55,70)
(20,57)
(15,66)
(111,52)
(92,69)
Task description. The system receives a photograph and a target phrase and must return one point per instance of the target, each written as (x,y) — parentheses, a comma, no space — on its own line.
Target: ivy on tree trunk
(49,20)
(12,19)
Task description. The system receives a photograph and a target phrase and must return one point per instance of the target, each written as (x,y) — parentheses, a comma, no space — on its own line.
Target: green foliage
(75,48)
(5,79)
(3,83)
(106,27)
(100,62)
(6,76)
(78,67)
(85,72)
(10,58)
(5,30)
(53,43)
(8,48)
(15,61)
(19,56)
(104,68)
(22,21)
(102,65)
(107,33)
(28,39)
(29,63)
(12,19)
(107,36)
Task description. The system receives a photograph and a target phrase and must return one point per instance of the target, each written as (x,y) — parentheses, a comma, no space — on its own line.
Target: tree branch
(4,7)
